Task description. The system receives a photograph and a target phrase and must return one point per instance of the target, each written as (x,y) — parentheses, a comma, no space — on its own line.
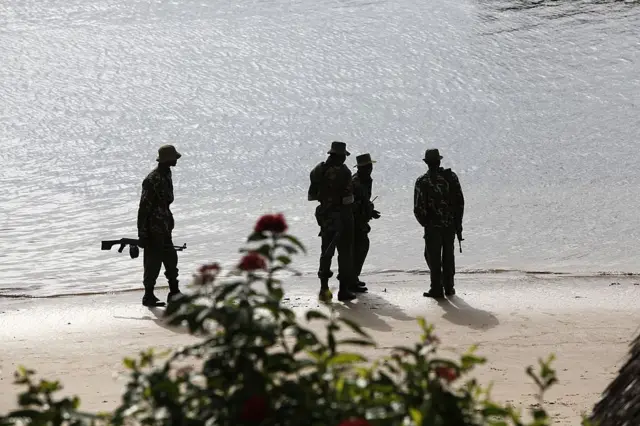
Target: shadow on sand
(369,310)
(459,312)
(159,320)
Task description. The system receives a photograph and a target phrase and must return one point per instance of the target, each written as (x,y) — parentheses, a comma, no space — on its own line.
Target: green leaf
(295,241)
(257,236)
(285,260)
(346,358)
(129,363)
(311,315)
(416,416)
(492,409)
(357,342)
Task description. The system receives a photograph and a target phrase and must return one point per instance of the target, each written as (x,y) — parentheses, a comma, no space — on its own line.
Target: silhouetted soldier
(331,185)
(439,207)
(363,212)
(155,224)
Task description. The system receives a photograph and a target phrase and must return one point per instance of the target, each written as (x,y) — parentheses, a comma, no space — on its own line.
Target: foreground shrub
(258,364)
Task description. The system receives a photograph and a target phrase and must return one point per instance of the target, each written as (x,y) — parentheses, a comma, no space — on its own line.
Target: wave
(492,271)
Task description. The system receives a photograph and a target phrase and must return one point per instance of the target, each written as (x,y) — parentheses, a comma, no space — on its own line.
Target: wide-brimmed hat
(364,160)
(338,148)
(167,153)
(432,155)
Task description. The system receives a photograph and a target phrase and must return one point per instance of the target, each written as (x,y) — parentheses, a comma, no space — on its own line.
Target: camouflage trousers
(338,236)
(157,252)
(360,250)
(439,253)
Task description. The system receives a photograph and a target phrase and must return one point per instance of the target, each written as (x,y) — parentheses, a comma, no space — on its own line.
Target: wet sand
(513,318)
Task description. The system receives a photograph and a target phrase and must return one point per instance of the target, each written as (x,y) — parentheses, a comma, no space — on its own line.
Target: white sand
(514,319)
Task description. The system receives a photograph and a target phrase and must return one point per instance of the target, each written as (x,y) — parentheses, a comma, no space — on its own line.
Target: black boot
(345,294)
(150,300)
(358,288)
(174,291)
(325,294)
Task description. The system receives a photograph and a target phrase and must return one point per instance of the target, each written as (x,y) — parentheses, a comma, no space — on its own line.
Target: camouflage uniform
(155,224)
(362,214)
(439,207)
(332,186)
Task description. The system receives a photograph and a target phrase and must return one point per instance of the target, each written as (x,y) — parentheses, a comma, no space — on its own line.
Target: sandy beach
(587,322)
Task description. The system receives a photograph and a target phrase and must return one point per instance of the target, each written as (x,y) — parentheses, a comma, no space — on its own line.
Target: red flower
(447,373)
(355,422)
(212,268)
(254,409)
(271,222)
(206,274)
(252,261)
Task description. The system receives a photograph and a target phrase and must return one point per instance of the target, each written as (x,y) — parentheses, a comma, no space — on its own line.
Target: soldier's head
(168,156)
(432,158)
(365,164)
(338,152)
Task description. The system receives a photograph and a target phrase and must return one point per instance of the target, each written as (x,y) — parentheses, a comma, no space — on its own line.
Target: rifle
(133,244)
(460,240)
(332,244)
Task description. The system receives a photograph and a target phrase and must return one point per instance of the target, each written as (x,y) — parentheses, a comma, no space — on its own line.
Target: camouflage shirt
(154,216)
(438,201)
(331,184)
(334,187)
(362,205)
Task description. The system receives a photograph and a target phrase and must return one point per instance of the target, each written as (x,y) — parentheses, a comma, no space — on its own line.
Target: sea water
(535,105)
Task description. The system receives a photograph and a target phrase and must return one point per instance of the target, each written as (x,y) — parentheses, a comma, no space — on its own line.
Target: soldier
(363,212)
(331,185)
(155,223)
(439,207)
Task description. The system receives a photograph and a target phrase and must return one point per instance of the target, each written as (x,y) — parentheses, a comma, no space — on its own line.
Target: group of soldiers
(346,209)
(343,214)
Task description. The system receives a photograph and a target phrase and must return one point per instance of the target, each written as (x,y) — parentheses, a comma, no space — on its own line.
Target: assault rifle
(133,244)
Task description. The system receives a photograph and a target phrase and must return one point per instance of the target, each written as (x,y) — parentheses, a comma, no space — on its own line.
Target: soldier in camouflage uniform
(439,207)
(331,185)
(155,224)
(363,212)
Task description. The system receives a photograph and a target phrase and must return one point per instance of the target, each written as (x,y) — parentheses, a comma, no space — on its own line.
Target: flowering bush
(258,364)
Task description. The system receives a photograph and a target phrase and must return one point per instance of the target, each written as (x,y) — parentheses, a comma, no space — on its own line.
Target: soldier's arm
(459,201)
(144,209)
(419,203)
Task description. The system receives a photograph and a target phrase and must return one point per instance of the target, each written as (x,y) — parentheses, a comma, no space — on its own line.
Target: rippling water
(534,104)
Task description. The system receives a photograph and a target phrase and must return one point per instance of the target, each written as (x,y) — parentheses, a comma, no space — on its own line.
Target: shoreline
(587,322)
(373,276)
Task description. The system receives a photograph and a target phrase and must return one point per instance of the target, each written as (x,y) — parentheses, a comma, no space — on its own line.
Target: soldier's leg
(426,251)
(360,251)
(326,255)
(170,261)
(345,260)
(448,261)
(433,242)
(152,261)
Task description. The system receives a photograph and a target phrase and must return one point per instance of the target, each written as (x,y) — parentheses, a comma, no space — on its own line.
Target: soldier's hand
(142,242)
(375,214)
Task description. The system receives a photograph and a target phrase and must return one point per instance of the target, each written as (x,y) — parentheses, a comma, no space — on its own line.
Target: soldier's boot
(149,299)
(325,294)
(345,294)
(359,287)
(174,291)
